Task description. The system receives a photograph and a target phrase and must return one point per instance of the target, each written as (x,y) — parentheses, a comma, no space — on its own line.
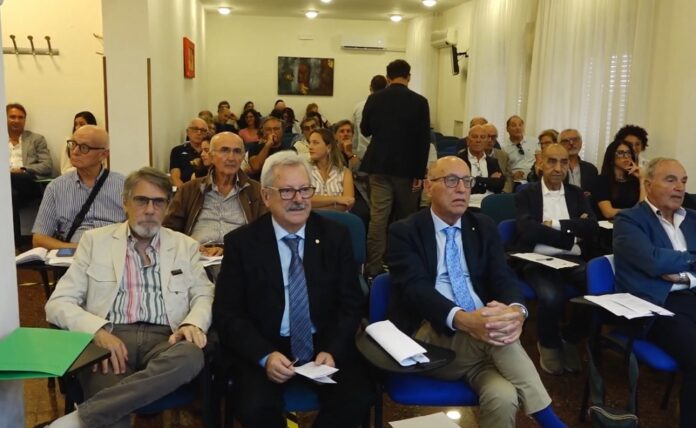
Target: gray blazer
(35,155)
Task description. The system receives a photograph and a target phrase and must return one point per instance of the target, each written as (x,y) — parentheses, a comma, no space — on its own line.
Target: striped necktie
(300,322)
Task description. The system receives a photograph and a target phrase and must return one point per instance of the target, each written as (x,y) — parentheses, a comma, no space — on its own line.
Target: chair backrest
(446,146)
(286,141)
(600,275)
(379,297)
(506,229)
(499,206)
(355,227)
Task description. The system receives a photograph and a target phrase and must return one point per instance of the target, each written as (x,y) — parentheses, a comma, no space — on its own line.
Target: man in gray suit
(29,159)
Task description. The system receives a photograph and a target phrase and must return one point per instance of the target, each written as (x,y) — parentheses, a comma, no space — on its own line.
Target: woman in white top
(332,180)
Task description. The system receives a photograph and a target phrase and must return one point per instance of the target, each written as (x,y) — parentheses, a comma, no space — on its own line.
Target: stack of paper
(37,254)
(552,262)
(436,420)
(606,224)
(40,352)
(628,306)
(397,344)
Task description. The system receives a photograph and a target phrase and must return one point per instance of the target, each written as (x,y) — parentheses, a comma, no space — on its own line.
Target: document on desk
(317,372)
(402,348)
(475,199)
(628,306)
(550,261)
(606,224)
(29,353)
(436,420)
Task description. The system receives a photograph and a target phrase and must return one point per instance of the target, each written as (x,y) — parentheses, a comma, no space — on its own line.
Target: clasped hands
(119,352)
(496,323)
(280,369)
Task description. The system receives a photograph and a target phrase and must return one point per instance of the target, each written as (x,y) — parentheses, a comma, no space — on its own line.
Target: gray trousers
(503,376)
(154,369)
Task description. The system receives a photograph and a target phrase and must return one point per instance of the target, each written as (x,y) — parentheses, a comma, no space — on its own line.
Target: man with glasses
(519,148)
(454,288)
(301,145)
(287,295)
(209,207)
(555,219)
(580,173)
(270,143)
(181,165)
(142,290)
(65,197)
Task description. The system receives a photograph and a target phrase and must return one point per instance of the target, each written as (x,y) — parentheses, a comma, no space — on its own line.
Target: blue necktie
(457,276)
(300,322)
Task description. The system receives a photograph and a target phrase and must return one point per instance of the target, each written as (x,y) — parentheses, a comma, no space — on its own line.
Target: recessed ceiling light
(311,14)
(396,17)
(326,1)
(454,415)
(224,10)
(429,3)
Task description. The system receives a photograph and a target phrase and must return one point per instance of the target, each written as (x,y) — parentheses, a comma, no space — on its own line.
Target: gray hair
(151,175)
(282,158)
(569,130)
(650,168)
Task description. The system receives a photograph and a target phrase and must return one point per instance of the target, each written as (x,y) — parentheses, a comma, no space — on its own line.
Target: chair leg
(379,407)
(46,284)
(668,391)
(585,401)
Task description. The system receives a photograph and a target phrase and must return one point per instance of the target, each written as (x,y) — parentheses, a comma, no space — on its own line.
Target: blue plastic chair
(358,237)
(600,280)
(446,146)
(410,389)
(499,207)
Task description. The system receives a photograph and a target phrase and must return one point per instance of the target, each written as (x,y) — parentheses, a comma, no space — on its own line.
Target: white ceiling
(337,9)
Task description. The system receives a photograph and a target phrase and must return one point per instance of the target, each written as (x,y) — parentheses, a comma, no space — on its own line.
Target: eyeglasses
(288,193)
(227,151)
(452,181)
(623,154)
(144,201)
(571,140)
(493,136)
(194,129)
(82,148)
(274,129)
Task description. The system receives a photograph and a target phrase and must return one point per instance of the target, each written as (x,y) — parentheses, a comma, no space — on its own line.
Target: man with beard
(288,294)
(143,292)
(580,173)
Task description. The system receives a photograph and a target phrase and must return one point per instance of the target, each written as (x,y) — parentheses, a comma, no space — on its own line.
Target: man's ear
(265,196)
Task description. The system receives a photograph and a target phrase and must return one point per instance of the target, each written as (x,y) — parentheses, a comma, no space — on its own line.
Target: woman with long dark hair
(618,185)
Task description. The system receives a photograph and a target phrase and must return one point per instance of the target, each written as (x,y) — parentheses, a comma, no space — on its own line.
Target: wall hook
(31,42)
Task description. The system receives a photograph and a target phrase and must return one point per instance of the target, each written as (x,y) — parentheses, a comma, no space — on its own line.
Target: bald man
(57,224)
(453,288)
(180,158)
(207,208)
(555,218)
(489,177)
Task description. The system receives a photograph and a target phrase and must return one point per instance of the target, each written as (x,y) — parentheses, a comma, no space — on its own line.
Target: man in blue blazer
(655,259)
(453,288)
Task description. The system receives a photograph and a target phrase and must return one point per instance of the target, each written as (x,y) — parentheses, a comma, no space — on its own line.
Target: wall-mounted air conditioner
(363,43)
(443,38)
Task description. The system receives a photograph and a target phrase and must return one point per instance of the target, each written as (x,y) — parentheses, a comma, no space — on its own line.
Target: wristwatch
(684,278)
(523,309)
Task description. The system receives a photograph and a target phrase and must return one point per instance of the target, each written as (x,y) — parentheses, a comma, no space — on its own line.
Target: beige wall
(242,59)
(53,89)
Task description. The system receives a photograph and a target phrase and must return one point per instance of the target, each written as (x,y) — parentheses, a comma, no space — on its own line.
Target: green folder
(28,353)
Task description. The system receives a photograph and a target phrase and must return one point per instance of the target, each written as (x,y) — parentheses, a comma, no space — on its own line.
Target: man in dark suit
(489,177)
(655,259)
(288,294)
(555,219)
(453,288)
(398,120)
(580,173)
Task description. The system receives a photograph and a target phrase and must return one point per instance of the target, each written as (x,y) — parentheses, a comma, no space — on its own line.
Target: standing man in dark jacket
(398,120)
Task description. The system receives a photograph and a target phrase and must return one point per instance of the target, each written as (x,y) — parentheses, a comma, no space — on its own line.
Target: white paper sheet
(475,200)
(605,224)
(53,259)
(402,348)
(552,262)
(436,420)
(37,254)
(628,306)
(319,373)
(211,260)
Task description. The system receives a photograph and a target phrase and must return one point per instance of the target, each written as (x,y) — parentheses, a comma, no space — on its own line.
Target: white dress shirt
(555,209)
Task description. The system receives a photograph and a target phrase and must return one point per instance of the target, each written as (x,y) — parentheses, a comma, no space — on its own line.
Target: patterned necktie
(300,322)
(453,261)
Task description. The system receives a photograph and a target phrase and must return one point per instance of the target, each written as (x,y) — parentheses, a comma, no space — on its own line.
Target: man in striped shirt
(65,196)
(142,290)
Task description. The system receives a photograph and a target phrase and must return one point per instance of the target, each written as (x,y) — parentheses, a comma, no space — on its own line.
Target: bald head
(97,136)
(477,140)
(477,120)
(492,133)
(225,138)
(554,166)
(227,154)
(449,203)
(95,141)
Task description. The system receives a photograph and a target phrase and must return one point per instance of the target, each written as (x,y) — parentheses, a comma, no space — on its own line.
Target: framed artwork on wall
(189,59)
(305,76)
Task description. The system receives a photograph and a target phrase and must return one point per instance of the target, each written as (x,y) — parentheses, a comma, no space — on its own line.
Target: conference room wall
(242,59)
(53,89)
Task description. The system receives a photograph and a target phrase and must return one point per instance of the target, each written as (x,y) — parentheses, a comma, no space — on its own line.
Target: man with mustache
(655,259)
(288,294)
(142,290)
(210,207)
(555,219)
(453,288)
